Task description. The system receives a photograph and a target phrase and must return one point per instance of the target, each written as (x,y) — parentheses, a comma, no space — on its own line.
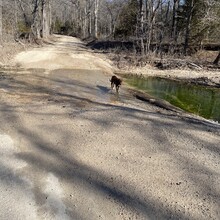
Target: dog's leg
(112,85)
(117,88)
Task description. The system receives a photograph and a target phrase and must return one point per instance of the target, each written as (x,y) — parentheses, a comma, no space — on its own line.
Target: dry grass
(9,50)
(205,56)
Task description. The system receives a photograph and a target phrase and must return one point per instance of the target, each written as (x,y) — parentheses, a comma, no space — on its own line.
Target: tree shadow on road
(45,155)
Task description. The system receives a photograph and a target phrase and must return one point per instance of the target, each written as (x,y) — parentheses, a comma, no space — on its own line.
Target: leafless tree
(190,8)
(0,22)
(96,10)
(153,24)
(36,23)
(46,18)
(152,7)
(142,16)
(174,20)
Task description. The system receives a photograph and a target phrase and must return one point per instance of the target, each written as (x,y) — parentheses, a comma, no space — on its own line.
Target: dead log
(216,61)
(190,64)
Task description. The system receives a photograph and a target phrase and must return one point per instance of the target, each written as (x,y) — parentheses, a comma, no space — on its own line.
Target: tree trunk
(85,22)
(89,18)
(174,26)
(174,21)
(36,24)
(96,17)
(142,27)
(188,22)
(16,18)
(151,9)
(149,37)
(216,61)
(148,25)
(1,21)
(167,12)
(111,23)
(27,23)
(45,18)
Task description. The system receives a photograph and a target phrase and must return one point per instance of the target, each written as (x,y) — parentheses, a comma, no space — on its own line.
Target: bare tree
(36,23)
(0,22)
(142,20)
(174,20)
(154,24)
(26,19)
(151,9)
(96,10)
(174,25)
(190,7)
(87,24)
(46,18)
(113,8)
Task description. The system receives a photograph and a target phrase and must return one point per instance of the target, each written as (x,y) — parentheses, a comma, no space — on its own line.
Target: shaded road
(70,148)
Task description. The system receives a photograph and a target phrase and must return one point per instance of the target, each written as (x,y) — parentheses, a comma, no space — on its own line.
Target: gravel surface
(71,148)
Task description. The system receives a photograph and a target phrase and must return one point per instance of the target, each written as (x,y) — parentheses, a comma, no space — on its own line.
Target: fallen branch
(155,101)
(18,41)
(194,65)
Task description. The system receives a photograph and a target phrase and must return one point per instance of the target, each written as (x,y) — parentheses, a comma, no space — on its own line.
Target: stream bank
(166,93)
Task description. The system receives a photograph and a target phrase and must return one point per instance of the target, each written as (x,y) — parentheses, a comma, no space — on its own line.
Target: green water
(200,100)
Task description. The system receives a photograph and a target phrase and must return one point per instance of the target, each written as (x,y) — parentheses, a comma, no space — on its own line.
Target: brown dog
(115,81)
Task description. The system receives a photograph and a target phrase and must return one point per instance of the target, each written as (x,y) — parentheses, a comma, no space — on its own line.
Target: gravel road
(71,148)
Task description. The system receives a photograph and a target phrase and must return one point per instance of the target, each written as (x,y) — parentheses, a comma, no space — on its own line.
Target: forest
(175,27)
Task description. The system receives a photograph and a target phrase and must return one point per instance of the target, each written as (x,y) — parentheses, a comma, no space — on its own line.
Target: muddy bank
(155,101)
(195,96)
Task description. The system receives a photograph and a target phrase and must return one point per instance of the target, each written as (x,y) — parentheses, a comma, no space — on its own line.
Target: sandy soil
(71,148)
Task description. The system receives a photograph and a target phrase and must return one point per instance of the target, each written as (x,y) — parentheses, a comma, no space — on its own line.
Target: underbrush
(125,56)
(9,50)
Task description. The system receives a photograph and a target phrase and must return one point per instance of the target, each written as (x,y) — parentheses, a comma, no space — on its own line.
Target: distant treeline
(131,45)
(150,25)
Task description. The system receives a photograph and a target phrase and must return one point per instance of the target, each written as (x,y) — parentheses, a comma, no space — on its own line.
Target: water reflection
(192,98)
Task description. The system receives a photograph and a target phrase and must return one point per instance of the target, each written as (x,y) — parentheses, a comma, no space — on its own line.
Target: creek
(197,99)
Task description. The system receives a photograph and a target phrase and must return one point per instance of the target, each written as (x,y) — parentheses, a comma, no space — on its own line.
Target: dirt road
(70,148)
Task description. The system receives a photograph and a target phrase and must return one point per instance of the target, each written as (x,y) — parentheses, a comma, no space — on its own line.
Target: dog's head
(115,80)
